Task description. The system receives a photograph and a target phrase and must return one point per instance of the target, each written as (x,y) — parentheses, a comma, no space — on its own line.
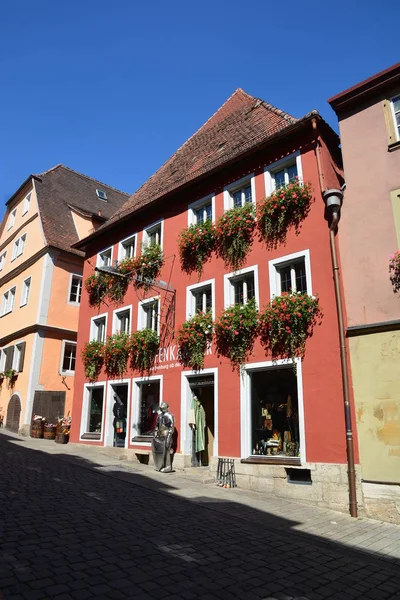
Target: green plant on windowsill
(143,349)
(116,354)
(10,374)
(196,244)
(93,359)
(193,339)
(97,287)
(148,266)
(234,234)
(235,332)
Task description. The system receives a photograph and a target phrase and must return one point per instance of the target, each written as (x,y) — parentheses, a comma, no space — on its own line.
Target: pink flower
(236,332)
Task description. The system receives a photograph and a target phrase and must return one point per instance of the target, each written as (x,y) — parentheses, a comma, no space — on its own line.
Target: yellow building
(40,289)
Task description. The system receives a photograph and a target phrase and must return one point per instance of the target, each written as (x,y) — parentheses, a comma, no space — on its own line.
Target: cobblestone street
(70,529)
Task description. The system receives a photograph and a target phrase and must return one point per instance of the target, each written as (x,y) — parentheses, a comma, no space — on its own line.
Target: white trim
(21,300)
(145,235)
(278,166)
(71,276)
(92,326)
(27,203)
(134,423)
(186,397)
(45,289)
(15,363)
(99,261)
(190,298)
(11,221)
(3,259)
(276,262)
(4,302)
(34,373)
(17,251)
(193,206)
(245,405)
(127,239)
(394,116)
(228,286)
(85,409)
(142,315)
(232,187)
(61,371)
(109,417)
(115,318)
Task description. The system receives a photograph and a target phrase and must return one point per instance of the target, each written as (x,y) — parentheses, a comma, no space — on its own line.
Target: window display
(149,405)
(275,418)
(96,409)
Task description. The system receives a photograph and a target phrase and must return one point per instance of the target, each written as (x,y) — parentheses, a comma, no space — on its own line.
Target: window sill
(142,438)
(91,436)
(67,373)
(73,303)
(394,146)
(272,460)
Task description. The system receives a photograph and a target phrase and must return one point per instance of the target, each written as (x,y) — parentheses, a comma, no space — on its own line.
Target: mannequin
(119,422)
(197,423)
(162,439)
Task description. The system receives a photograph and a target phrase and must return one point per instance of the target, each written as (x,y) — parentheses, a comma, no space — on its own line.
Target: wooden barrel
(37,428)
(49,432)
(61,438)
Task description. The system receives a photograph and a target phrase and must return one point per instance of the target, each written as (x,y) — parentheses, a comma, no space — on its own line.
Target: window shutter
(21,357)
(9,357)
(391,130)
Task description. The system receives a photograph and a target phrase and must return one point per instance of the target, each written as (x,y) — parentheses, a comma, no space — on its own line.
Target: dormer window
(102,195)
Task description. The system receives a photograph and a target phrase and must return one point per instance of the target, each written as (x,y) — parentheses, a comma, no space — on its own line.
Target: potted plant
(193,339)
(287,322)
(196,244)
(143,349)
(286,207)
(11,375)
(148,266)
(116,353)
(93,359)
(394,270)
(236,331)
(119,282)
(234,235)
(97,287)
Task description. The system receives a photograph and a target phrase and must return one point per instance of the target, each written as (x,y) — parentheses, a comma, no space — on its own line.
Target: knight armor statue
(162,439)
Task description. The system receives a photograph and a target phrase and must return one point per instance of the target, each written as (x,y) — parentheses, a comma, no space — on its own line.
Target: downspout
(333,200)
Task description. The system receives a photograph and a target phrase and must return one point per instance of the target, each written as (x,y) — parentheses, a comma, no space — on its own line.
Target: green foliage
(116,354)
(236,331)
(196,244)
(234,234)
(193,338)
(144,346)
(93,359)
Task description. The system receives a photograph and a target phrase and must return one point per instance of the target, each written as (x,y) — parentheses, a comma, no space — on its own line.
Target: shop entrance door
(202,388)
(13,413)
(119,413)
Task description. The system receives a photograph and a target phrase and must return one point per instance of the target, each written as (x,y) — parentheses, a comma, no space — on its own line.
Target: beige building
(369,120)
(40,289)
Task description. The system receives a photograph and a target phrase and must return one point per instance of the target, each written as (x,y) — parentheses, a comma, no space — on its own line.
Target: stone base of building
(382,502)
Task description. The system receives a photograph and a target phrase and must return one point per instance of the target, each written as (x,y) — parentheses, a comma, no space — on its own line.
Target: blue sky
(112,89)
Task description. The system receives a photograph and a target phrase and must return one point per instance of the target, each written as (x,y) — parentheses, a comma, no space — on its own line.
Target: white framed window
(154,234)
(241,286)
(290,273)
(102,195)
(75,289)
(3,259)
(147,394)
(201,210)
(11,219)
(68,357)
(122,320)
(92,422)
(104,258)
(98,328)
(283,172)
(149,314)
(8,301)
(127,248)
(241,192)
(395,103)
(26,288)
(27,203)
(19,246)
(200,297)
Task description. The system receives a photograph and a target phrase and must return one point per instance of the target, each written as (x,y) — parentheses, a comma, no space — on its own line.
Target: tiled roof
(241,123)
(60,188)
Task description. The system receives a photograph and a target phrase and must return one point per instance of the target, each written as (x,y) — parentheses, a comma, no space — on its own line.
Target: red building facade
(245,151)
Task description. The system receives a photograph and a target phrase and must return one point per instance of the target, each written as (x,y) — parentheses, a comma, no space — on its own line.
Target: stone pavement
(76,523)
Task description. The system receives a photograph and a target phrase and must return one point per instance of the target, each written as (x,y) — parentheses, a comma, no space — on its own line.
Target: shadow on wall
(71,526)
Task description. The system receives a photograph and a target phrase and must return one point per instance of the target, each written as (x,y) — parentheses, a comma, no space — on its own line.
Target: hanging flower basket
(119,283)
(116,354)
(394,270)
(236,331)
(287,322)
(193,339)
(148,266)
(93,359)
(144,346)
(234,235)
(286,207)
(97,287)
(196,244)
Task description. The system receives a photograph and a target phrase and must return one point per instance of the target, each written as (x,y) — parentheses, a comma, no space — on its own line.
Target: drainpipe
(333,200)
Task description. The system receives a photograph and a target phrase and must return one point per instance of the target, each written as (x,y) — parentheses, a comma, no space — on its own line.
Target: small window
(19,246)
(75,291)
(122,321)
(27,203)
(104,258)
(202,299)
(291,274)
(11,219)
(68,357)
(239,193)
(127,248)
(8,301)
(149,314)
(95,410)
(2,260)
(153,235)
(102,195)
(241,287)
(18,357)
(201,210)
(396,114)
(285,176)
(26,287)
(99,329)
(281,173)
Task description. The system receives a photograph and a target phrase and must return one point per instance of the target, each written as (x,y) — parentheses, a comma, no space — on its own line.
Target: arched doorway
(13,413)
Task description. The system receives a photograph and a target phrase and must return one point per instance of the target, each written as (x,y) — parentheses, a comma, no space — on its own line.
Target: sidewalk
(381,540)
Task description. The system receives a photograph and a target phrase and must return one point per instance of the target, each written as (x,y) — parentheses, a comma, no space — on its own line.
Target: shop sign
(168,358)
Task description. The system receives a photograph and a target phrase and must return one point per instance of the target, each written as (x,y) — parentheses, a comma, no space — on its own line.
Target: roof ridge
(85,177)
(278,111)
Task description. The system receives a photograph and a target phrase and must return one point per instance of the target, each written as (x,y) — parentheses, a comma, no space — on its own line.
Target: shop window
(127,248)
(200,298)
(26,288)
(291,274)
(149,314)
(152,235)
(95,410)
(201,210)
(122,321)
(104,258)
(148,402)
(98,328)
(283,172)
(274,413)
(241,287)
(75,289)
(240,193)
(68,357)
